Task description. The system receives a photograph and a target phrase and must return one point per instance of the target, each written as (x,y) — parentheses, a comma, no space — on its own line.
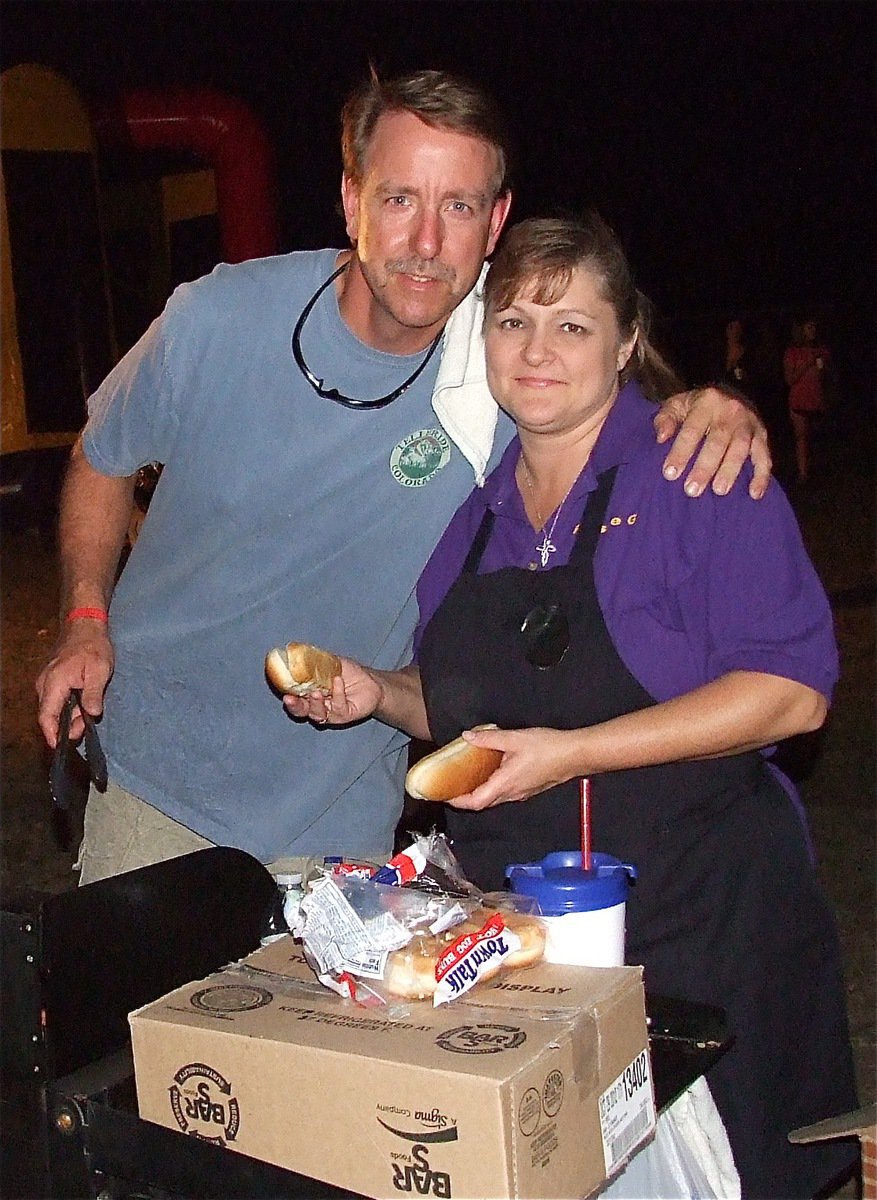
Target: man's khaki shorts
(122,832)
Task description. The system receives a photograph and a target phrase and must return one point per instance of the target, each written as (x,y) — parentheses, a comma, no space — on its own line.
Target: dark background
(731,144)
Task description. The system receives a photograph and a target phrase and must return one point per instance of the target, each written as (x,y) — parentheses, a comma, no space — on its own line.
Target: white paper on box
(627,1111)
(340,939)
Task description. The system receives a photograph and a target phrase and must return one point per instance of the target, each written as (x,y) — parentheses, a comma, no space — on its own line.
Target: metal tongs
(62,777)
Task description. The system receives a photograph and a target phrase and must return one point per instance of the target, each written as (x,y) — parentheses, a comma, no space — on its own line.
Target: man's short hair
(439,99)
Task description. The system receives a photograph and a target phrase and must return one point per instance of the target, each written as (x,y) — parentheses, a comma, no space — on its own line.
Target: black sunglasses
(332,393)
(545,634)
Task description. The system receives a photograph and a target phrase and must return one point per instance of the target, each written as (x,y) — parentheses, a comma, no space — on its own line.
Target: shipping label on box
(627,1112)
(535,1086)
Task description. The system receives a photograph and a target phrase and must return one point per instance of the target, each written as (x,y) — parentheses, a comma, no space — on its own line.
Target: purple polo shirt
(689,589)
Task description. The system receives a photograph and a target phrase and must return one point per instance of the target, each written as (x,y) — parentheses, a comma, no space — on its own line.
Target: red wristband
(88,614)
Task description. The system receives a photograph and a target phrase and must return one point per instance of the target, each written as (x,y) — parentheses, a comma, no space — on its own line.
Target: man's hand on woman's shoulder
(731,432)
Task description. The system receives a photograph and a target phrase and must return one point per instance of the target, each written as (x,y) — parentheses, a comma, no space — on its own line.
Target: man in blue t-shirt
(320,416)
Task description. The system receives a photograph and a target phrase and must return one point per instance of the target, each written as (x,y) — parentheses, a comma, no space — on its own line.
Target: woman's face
(554,367)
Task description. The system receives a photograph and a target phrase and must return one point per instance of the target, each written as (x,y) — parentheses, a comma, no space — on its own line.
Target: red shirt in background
(806,394)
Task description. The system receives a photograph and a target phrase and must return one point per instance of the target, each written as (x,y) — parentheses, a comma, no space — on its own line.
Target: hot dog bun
(452,770)
(533,936)
(299,668)
(410,972)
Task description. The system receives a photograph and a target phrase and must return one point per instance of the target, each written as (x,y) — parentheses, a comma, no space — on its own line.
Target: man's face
(422,221)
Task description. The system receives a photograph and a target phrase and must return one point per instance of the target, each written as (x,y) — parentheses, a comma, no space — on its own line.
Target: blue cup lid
(560,886)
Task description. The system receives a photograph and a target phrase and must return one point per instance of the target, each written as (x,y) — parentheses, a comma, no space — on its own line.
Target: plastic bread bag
(349,927)
(381,943)
(491,940)
(428,864)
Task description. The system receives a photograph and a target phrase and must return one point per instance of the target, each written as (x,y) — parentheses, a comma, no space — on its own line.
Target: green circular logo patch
(419,457)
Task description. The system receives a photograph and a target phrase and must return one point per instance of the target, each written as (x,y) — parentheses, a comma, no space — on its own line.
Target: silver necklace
(546,547)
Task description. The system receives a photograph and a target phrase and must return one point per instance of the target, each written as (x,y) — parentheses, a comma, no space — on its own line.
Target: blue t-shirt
(279,516)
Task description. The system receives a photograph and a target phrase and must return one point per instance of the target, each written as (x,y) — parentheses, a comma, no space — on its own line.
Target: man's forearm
(94,517)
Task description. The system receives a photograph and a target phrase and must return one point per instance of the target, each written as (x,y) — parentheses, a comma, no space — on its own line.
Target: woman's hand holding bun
(354,696)
(329,690)
(453,770)
(528,761)
(298,668)
(486,766)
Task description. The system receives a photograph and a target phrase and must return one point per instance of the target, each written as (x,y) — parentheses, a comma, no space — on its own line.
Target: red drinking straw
(585,810)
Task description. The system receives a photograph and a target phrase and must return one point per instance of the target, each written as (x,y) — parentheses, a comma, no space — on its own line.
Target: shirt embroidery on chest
(419,457)
(615,521)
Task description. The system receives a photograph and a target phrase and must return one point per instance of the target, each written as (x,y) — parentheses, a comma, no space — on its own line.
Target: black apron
(726,909)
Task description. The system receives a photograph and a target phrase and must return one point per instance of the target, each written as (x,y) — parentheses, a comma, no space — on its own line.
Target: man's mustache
(426,270)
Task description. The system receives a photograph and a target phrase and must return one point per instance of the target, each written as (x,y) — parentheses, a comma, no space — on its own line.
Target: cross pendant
(547,547)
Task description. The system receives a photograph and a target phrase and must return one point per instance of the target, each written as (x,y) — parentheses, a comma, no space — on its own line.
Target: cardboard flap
(860,1123)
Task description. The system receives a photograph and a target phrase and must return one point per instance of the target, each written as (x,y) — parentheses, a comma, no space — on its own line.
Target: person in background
(617,633)
(735,367)
(806,364)
(741,366)
(319,417)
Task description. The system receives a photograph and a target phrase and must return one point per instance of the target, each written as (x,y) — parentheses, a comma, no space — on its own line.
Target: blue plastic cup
(584,911)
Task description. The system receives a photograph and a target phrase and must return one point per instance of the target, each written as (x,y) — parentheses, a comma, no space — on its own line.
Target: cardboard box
(862,1124)
(535,1085)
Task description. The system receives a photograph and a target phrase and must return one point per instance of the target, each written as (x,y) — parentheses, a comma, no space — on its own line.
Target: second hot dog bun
(299,668)
(410,972)
(533,936)
(452,770)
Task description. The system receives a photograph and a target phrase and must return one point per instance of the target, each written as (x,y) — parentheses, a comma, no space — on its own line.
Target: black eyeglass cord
(332,393)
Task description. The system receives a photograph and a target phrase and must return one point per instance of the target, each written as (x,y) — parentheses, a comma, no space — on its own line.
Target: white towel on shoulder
(461,398)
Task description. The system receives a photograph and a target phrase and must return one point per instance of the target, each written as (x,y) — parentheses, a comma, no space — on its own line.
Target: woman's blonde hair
(539,256)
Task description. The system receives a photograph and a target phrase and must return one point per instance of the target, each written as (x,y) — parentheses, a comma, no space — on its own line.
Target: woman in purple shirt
(615,630)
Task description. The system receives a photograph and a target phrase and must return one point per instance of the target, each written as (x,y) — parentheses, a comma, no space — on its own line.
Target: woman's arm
(393,697)
(743,710)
